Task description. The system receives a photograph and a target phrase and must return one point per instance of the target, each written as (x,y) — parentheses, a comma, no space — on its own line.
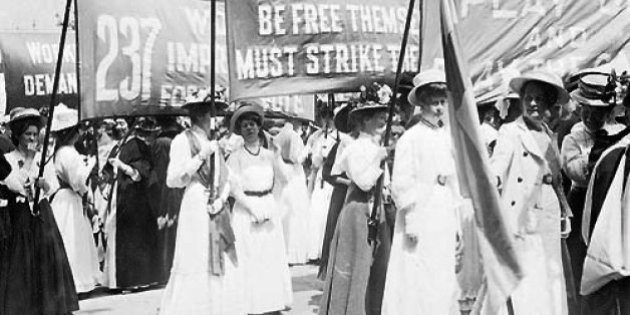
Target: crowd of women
(218,210)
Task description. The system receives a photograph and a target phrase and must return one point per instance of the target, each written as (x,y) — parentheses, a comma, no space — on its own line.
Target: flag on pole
(501,264)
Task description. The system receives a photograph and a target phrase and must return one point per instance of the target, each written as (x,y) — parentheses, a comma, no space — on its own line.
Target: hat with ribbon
(596,89)
(423,79)
(21,113)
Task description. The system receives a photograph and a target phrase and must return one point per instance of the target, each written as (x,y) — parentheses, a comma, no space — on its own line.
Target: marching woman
(204,278)
(131,226)
(339,182)
(258,178)
(35,277)
(421,277)
(74,225)
(527,164)
(354,280)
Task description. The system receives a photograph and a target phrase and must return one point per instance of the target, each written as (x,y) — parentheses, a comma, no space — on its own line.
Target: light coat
(534,217)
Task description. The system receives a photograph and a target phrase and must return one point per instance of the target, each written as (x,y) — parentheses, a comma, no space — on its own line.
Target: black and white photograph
(314,157)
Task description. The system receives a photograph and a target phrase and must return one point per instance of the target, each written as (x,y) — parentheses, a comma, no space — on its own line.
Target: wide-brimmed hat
(64,118)
(203,97)
(243,110)
(595,89)
(517,83)
(341,118)
(423,79)
(21,113)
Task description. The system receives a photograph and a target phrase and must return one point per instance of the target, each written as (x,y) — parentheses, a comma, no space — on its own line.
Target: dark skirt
(57,292)
(575,244)
(35,276)
(336,204)
(355,277)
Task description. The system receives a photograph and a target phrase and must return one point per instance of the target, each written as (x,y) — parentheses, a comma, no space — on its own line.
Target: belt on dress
(257,193)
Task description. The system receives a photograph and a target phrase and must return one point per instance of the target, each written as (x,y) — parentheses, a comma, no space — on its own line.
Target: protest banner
(144,57)
(299,47)
(27,64)
(503,38)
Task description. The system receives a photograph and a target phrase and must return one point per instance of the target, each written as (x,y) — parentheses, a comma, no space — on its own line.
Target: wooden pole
(213,34)
(53,97)
(77,58)
(373,220)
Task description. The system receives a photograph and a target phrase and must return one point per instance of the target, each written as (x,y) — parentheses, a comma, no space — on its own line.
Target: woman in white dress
(258,176)
(322,142)
(205,278)
(74,225)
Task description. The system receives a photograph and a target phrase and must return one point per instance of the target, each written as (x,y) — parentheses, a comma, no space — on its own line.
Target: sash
(213,176)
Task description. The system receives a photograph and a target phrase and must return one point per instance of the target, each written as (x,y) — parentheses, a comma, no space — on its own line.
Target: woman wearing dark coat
(167,205)
(131,225)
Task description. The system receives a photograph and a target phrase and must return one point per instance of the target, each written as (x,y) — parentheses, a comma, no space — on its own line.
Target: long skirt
(336,204)
(295,203)
(318,211)
(35,276)
(355,279)
(192,287)
(76,231)
(262,258)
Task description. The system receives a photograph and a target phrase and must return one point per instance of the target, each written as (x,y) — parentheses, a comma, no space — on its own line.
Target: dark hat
(147,125)
(243,110)
(203,97)
(341,118)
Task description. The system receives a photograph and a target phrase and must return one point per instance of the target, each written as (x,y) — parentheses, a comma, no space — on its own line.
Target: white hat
(516,84)
(422,79)
(64,118)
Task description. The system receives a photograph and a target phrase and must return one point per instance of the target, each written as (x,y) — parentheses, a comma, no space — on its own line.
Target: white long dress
(260,246)
(295,200)
(74,225)
(320,198)
(192,287)
(421,279)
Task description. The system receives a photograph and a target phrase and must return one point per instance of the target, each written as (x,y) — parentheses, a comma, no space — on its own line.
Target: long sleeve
(182,165)
(404,176)
(503,153)
(574,160)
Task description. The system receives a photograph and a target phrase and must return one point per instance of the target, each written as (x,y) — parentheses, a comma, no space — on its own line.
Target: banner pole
(77,58)
(373,220)
(53,97)
(213,24)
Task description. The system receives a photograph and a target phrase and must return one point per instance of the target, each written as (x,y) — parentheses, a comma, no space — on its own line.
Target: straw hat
(246,109)
(516,84)
(423,79)
(64,118)
(594,89)
(21,113)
